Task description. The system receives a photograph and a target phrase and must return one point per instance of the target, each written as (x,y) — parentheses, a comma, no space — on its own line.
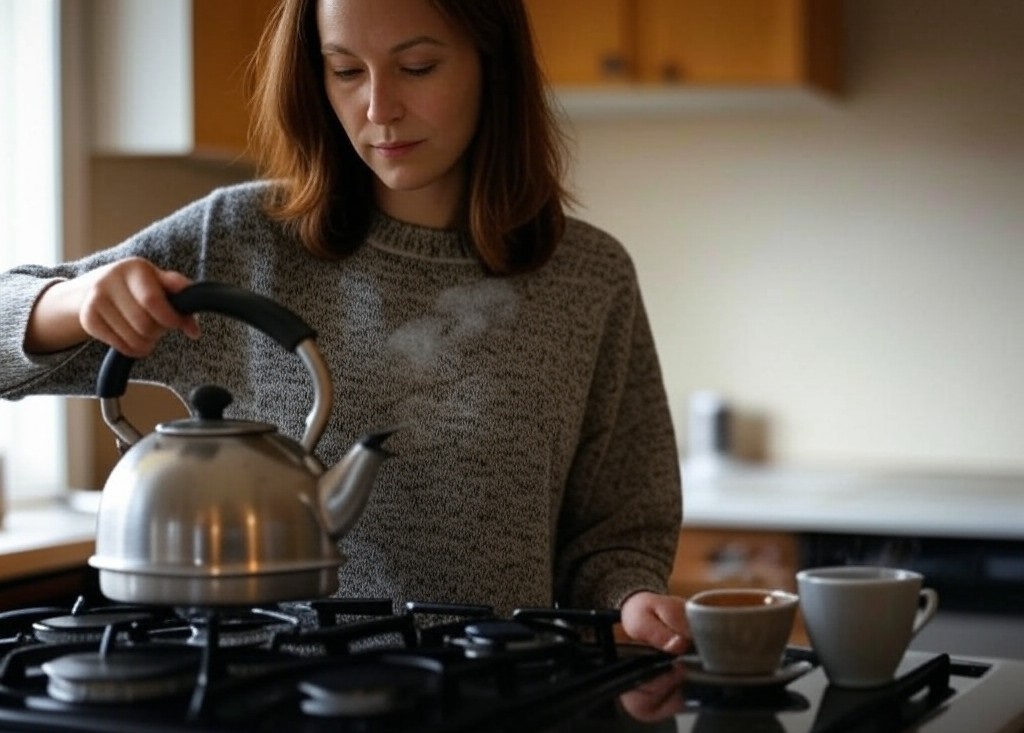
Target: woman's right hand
(123,304)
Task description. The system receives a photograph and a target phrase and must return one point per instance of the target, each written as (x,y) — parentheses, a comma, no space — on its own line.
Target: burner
(239,632)
(123,675)
(82,627)
(486,638)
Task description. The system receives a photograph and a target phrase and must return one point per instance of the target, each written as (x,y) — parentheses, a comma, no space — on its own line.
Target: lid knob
(209,401)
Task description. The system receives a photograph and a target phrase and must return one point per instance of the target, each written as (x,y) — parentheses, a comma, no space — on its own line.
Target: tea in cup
(741,631)
(860,619)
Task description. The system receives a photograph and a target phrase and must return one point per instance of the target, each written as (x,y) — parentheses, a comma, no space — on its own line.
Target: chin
(404,181)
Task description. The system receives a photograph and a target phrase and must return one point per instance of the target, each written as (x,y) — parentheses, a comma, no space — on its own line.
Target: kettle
(209,511)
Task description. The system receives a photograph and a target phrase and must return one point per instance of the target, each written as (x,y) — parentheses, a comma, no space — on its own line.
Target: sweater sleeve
(176,242)
(623,506)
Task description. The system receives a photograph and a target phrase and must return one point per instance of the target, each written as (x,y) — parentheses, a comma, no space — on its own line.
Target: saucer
(785,674)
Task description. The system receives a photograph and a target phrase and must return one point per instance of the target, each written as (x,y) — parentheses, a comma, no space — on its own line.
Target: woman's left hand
(656,620)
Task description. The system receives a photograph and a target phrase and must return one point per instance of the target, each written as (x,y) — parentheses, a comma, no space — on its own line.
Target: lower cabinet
(59,588)
(728,558)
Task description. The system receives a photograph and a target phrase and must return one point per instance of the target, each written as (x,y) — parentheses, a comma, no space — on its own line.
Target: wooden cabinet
(716,558)
(58,588)
(689,42)
(584,42)
(225,34)
(725,558)
(172,78)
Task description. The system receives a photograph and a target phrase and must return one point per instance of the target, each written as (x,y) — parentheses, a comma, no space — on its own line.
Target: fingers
(676,644)
(174,282)
(670,611)
(668,628)
(126,306)
(657,620)
(669,640)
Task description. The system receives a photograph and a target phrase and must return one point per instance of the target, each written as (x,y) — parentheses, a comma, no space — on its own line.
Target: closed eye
(419,70)
(346,73)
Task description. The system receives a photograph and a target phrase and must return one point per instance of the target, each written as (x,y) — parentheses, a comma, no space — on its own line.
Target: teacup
(860,619)
(741,631)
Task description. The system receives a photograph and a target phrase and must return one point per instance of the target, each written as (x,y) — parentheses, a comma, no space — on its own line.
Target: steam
(462,317)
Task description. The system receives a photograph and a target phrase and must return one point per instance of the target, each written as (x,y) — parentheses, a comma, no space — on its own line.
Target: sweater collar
(412,240)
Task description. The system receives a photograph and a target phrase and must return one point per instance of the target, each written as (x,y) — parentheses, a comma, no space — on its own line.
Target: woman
(411,212)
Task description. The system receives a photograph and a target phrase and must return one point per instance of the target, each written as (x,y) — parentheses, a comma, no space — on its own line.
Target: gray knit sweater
(539,463)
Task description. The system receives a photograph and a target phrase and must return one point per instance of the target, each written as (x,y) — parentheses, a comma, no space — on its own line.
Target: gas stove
(361,664)
(327,664)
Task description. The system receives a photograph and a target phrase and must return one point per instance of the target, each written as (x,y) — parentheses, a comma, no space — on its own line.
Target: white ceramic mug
(860,619)
(741,631)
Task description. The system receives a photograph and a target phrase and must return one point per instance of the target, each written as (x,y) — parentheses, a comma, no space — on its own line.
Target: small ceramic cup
(741,631)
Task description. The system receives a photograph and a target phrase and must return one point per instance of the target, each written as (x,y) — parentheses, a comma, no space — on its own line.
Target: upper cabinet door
(720,42)
(738,42)
(690,42)
(225,34)
(584,42)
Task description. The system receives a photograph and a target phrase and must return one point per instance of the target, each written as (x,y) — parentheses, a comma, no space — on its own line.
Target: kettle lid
(208,403)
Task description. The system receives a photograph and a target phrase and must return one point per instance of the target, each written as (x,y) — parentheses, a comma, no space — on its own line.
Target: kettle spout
(345,488)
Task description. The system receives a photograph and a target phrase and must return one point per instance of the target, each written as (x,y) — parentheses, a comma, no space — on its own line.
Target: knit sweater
(538,462)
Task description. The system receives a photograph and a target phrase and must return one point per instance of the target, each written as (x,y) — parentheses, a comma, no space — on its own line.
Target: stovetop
(932,693)
(330,664)
(357,664)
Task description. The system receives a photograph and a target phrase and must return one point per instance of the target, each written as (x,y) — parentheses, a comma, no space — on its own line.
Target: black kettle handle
(258,311)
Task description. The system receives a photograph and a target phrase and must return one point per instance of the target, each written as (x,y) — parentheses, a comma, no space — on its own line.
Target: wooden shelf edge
(580,103)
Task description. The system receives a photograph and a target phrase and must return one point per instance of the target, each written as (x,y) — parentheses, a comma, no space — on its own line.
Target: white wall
(850,277)
(142,75)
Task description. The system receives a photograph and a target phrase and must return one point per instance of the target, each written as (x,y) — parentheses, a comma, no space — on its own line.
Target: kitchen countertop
(43,538)
(741,496)
(56,535)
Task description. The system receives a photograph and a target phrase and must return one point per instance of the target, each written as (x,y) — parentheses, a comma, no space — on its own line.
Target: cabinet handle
(614,65)
(671,73)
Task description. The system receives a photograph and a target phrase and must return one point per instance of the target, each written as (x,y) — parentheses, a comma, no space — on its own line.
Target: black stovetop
(357,665)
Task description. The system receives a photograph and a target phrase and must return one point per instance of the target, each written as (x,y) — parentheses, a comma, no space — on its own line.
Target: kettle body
(208,511)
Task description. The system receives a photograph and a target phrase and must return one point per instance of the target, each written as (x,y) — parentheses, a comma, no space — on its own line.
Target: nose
(385,105)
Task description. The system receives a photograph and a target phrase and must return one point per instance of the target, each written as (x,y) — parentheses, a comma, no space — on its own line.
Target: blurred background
(841,262)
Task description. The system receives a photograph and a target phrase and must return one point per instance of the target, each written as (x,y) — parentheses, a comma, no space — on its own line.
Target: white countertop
(44,538)
(54,536)
(740,496)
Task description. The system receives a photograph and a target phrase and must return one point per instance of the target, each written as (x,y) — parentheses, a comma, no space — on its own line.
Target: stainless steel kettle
(209,511)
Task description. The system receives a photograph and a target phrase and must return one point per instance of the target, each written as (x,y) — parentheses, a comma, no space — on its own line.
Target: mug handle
(927,611)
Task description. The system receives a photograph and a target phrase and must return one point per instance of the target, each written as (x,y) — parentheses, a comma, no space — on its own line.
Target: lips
(396,149)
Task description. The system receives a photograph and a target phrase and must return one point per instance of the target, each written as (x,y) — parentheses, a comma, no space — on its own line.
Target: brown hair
(515,214)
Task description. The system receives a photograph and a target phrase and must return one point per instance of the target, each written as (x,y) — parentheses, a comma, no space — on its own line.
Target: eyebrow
(397,48)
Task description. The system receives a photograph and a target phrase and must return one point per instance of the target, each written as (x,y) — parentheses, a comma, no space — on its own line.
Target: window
(31,430)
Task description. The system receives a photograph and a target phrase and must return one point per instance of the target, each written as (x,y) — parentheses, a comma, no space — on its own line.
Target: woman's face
(405,84)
